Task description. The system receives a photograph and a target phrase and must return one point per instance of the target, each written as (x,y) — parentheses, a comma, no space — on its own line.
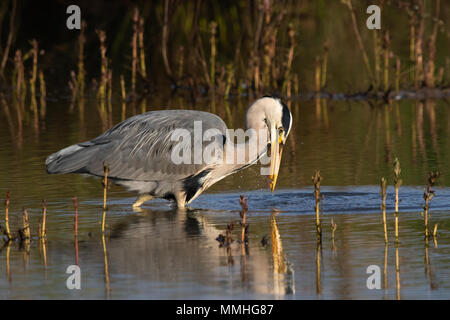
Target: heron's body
(139,151)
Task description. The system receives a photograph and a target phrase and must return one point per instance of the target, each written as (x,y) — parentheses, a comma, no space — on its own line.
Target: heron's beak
(276,150)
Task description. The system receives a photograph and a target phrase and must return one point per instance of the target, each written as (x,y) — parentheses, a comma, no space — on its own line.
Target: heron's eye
(280,130)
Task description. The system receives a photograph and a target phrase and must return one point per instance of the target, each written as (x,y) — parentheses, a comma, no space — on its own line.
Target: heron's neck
(249,150)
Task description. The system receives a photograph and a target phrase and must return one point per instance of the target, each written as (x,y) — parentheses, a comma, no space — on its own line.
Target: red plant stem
(75,203)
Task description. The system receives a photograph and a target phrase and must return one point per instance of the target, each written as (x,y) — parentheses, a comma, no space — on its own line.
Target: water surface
(162,253)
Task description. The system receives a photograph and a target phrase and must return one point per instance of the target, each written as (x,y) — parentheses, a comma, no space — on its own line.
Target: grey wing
(141,148)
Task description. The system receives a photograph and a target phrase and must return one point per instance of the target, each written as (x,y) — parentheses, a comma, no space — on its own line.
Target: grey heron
(139,151)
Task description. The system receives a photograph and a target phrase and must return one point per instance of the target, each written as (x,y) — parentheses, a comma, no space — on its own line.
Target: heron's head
(272,114)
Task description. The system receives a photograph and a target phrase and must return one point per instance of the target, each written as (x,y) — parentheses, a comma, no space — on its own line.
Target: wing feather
(138,148)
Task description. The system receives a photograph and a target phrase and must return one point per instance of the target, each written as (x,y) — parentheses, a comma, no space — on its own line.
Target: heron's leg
(141,199)
(180,199)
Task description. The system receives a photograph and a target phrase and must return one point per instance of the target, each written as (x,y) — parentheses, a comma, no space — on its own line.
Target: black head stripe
(286,118)
(273,96)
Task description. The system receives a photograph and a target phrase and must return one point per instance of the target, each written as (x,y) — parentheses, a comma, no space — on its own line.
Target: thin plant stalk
(74,89)
(43,92)
(358,37)
(7,201)
(397,184)
(385,266)
(376,53)
(75,204)
(290,58)
(105,188)
(124,97)
(104,72)
(141,48)
(316,180)
(10,37)
(243,213)
(412,45)
(44,253)
(428,196)
(26,225)
(81,71)
(397,74)
(318,267)
(386,46)
(8,266)
(180,62)
(35,53)
(418,46)
(134,51)
(165,36)
(44,219)
(435,230)
(213,27)
(109,83)
(397,271)
(333,230)
(323,75)
(230,72)
(105,255)
(19,85)
(440,77)
(317,75)
(430,66)
(383,207)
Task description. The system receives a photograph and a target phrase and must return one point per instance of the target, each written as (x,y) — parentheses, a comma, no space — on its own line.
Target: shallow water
(164,254)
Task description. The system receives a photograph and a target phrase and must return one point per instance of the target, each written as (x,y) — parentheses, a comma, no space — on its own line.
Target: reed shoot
(386,47)
(428,196)
(317,75)
(44,218)
(243,213)
(316,180)
(35,53)
(81,71)
(104,70)
(435,230)
(141,48)
(383,206)
(230,78)
(229,234)
(19,84)
(397,272)
(75,204)
(333,229)
(397,74)
(26,225)
(43,92)
(397,184)
(323,75)
(376,53)
(212,77)
(358,37)
(105,188)
(8,231)
(418,76)
(290,58)
(10,37)
(124,97)
(105,256)
(134,51)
